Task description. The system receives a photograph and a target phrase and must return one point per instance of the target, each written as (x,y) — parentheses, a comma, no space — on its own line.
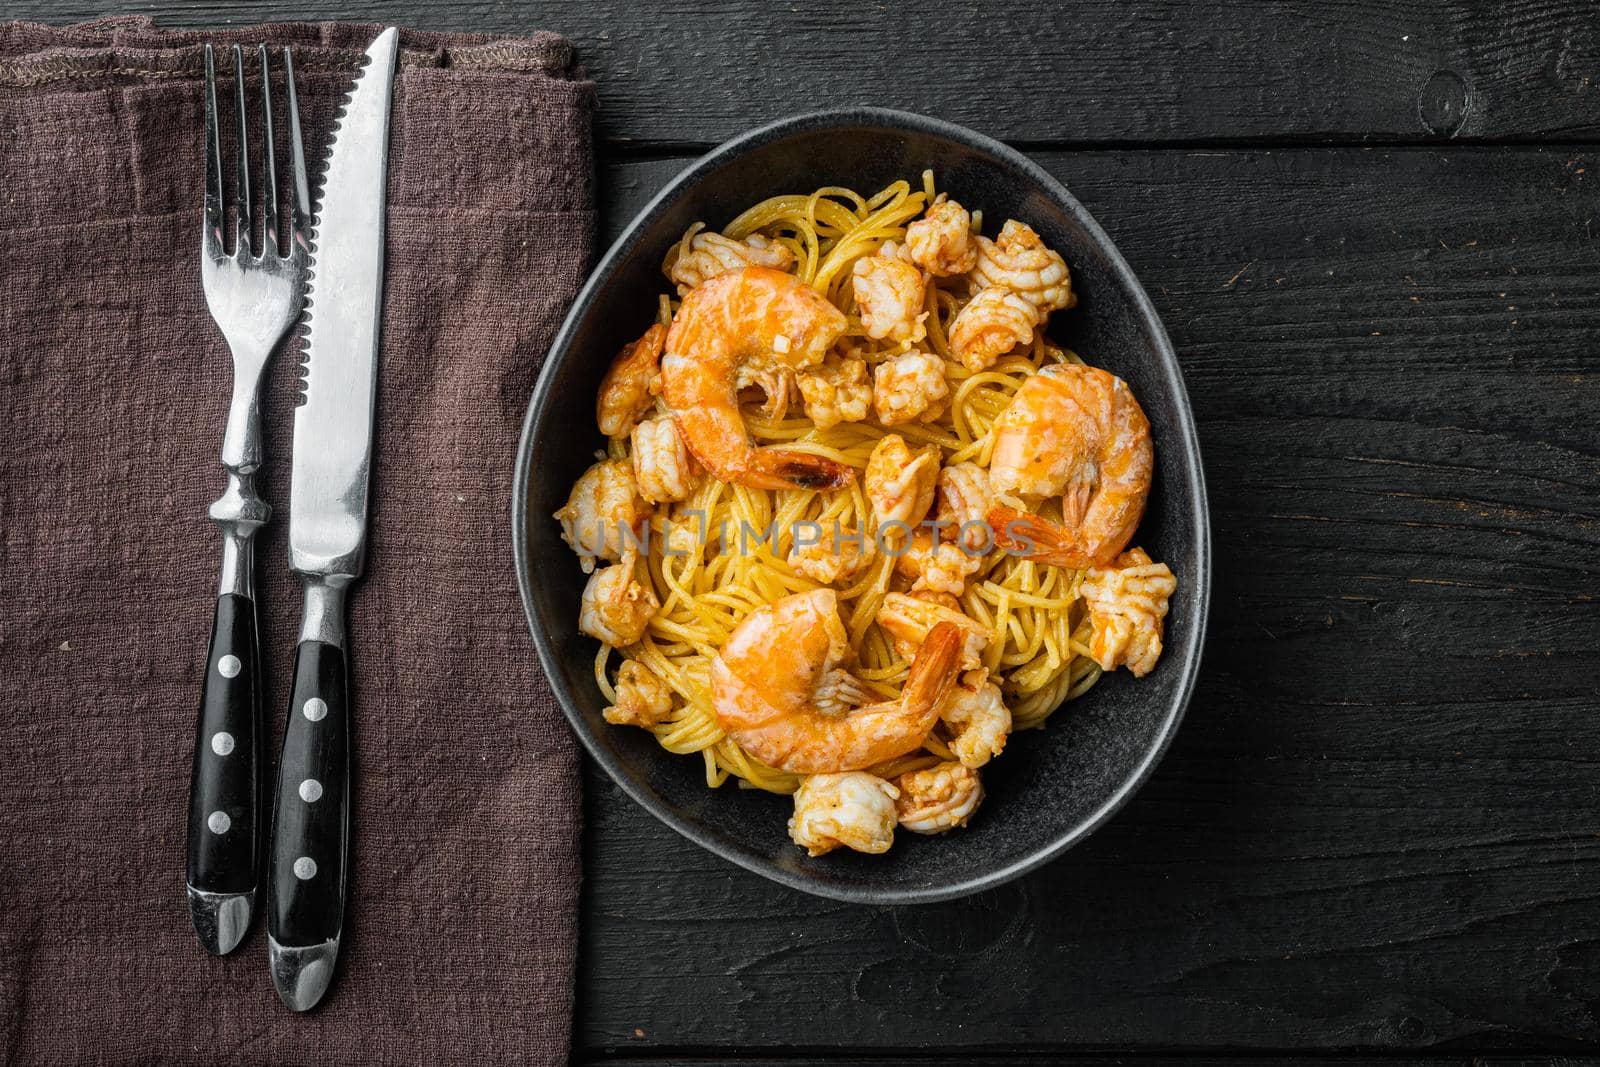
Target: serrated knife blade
(327,537)
(333,427)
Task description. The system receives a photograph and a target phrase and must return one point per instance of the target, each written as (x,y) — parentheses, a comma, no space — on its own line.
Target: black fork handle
(224,853)
(225,795)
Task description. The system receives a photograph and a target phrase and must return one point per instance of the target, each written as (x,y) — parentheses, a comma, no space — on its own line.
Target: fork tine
(215,205)
(269,225)
(300,202)
(242,231)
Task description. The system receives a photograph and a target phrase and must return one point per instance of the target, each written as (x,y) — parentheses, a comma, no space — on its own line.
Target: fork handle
(311,822)
(224,851)
(224,788)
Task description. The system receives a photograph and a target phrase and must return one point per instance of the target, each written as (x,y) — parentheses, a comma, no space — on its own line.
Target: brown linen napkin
(461,927)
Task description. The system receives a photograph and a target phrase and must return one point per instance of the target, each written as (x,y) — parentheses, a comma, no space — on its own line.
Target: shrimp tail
(1036,538)
(933,671)
(772,468)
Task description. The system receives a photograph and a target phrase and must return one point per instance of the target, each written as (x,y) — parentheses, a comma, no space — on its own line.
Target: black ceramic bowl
(1052,787)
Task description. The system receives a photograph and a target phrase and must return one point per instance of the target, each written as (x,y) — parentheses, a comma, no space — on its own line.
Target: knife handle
(311,822)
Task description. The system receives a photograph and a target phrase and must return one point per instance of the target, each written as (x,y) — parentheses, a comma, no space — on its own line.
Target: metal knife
(327,537)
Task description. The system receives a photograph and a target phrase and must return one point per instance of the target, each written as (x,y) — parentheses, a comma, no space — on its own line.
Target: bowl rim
(1166,356)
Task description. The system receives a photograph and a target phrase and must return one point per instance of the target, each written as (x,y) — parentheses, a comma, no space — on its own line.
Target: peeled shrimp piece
(1127,602)
(643,699)
(829,554)
(909,387)
(944,559)
(900,484)
(780,689)
(978,720)
(941,241)
(837,391)
(616,609)
(631,384)
(1077,431)
(661,466)
(711,254)
(939,566)
(603,514)
(938,798)
(855,810)
(1018,260)
(909,619)
(889,291)
(993,322)
(751,324)
(684,535)
(964,500)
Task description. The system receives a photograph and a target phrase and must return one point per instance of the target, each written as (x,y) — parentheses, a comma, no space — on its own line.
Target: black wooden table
(1370,228)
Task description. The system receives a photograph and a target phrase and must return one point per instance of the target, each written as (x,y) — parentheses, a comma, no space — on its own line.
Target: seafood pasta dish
(858,518)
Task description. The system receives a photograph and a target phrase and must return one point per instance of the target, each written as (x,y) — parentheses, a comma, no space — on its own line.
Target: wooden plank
(1101,72)
(1093,1059)
(1380,824)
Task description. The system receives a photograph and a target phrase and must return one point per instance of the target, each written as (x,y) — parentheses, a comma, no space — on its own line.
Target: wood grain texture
(1103,72)
(1093,1059)
(1380,823)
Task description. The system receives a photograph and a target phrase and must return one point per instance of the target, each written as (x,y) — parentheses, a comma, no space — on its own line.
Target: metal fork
(254,297)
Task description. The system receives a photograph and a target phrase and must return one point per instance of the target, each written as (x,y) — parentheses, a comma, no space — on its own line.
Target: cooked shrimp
(1079,431)
(977,718)
(1018,260)
(939,566)
(938,798)
(631,384)
(889,291)
(1127,602)
(711,254)
(908,620)
(831,555)
(684,534)
(660,462)
(643,699)
(941,241)
(616,608)
(995,321)
(964,501)
(604,514)
(837,391)
(855,810)
(899,484)
(752,321)
(909,387)
(766,681)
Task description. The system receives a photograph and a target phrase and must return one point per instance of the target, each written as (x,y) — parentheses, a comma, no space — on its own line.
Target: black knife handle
(311,824)
(225,785)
